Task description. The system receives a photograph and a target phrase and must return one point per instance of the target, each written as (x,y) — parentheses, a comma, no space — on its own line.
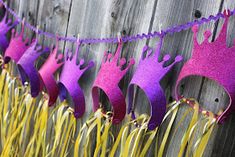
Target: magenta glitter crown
(107,80)
(147,77)
(46,72)
(69,78)
(214,61)
(17,46)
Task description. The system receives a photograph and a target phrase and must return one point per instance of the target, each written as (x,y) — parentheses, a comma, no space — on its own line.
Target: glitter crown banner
(213,60)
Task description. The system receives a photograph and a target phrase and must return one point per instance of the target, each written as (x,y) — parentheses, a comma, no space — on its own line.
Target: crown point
(109,56)
(60,56)
(132,61)
(81,62)
(227,13)
(178,58)
(195,28)
(207,34)
(13,32)
(91,64)
(166,57)
(26,41)
(122,61)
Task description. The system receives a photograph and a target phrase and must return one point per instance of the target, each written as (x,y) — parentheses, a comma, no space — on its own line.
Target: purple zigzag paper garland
(140,36)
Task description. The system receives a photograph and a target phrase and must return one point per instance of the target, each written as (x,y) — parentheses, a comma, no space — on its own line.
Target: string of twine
(131,38)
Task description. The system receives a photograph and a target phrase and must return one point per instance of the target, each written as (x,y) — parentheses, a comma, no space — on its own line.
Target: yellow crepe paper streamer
(190,145)
(167,132)
(99,124)
(186,135)
(30,128)
(202,142)
(24,121)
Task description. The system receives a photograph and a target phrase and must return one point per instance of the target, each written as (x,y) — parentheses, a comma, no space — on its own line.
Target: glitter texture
(26,67)
(107,79)
(147,77)
(69,78)
(214,61)
(46,72)
(17,46)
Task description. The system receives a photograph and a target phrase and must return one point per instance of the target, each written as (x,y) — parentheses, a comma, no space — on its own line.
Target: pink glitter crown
(17,46)
(107,79)
(46,72)
(214,61)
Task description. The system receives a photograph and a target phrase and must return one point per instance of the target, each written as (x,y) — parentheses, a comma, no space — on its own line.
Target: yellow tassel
(186,137)
(30,128)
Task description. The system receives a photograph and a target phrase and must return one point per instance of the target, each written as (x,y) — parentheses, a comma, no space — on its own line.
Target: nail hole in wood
(197,14)
(216,99)
(29,14)
(124,32)
(171,99)
(56,7)
(112,14)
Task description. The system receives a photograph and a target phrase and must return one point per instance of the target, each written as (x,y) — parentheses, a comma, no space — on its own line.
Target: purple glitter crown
(147,77)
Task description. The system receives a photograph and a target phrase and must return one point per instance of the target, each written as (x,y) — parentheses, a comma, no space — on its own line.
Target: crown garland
(27,53)
(147,77)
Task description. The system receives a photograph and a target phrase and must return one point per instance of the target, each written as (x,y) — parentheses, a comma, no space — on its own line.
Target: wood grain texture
(96,19)
(53,16)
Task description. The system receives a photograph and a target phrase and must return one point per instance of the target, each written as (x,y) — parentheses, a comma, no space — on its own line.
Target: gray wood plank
(53,17)
(29,10)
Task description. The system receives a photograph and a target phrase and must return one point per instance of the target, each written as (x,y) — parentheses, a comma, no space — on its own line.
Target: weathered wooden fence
(105,18)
